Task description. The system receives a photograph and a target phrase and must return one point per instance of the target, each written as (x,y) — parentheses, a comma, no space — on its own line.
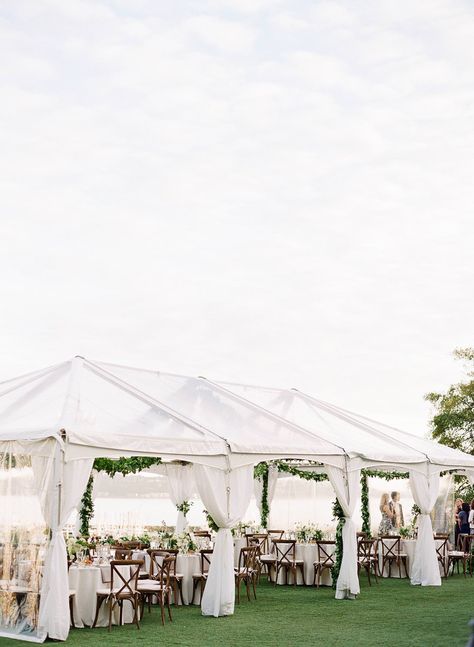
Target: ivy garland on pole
(338,514)
(87,508)
(111,467)
(260,472)
(364,507)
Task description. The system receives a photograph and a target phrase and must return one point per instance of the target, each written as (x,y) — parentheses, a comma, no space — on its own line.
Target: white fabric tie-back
(181,487)
(347,488)
(425,568)
(258,489)
(226,496)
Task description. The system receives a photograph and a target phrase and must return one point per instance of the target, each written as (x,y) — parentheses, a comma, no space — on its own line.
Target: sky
(277,192)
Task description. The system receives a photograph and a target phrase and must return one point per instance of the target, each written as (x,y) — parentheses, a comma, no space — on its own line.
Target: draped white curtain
(226,496)
(181,485)
(54,607)
(425,568)
(258,488)
(347,488)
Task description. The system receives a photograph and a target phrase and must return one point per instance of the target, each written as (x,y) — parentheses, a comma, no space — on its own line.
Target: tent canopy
(112,410)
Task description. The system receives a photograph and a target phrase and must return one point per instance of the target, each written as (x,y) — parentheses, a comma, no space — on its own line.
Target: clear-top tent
(66,415)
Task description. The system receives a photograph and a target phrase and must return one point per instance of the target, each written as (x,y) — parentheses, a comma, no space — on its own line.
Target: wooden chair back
(260,541)
(367,550)
(391,546)
(325,554)
(285,550)
(125,584)
(123,553)
(205,559)
(248,559)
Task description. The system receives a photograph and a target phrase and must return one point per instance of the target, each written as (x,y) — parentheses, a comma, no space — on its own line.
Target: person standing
(386,525)
(463,519)
(457,510)
(471,518)
(396,506)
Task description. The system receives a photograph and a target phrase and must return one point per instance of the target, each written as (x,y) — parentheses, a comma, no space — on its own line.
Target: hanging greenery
(364,499)
(292,469)
(87,508)
(111,467)
(124,466)
(210,521)
(184,507)
(338,513)
(260,472)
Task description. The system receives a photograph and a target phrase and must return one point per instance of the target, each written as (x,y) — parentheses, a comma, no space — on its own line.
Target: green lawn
(390,614)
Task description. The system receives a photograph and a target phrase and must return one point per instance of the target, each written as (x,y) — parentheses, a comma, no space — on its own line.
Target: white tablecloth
(309,554)
(239,542)
(86,580)
(187,565)
(408,547)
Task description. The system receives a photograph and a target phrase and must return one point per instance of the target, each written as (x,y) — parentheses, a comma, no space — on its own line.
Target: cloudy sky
(270,191)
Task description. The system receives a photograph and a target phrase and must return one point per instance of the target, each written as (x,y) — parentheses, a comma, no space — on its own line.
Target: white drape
(54,606)
(226,496)
(258,489)
(425,568)
(181,485)
(347,488)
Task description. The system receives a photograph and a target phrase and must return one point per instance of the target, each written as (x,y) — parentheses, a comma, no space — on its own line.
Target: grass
(390,614)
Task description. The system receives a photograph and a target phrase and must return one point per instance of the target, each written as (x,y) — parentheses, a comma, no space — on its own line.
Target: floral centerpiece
(185,543)
(76,545)
(307,533)
(245,527)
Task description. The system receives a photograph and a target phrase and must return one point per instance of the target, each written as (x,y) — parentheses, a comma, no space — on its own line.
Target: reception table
(86,581)
(407,546)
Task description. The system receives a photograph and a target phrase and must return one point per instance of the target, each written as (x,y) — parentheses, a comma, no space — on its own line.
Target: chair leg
(97,609)
(168,595)
(302,574)
(111,606)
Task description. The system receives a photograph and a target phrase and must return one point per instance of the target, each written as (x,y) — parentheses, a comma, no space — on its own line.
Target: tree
(453,420)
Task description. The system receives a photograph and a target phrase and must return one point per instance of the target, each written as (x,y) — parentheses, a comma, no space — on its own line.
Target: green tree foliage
(453,420)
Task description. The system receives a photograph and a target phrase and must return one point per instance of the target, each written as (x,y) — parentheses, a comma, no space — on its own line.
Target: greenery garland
(338,514)
(124,466)
(87,508)
(261,472)
(111,467)
(364,500)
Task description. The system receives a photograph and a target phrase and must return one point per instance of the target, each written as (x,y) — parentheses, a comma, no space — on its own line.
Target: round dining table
(85,581)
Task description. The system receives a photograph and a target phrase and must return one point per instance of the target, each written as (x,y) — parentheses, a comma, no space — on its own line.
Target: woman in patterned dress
(386,525)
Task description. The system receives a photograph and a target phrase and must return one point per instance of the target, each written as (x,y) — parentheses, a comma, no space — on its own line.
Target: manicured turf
(390,614)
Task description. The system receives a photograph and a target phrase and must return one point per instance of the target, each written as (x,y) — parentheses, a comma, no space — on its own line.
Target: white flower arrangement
(308,533)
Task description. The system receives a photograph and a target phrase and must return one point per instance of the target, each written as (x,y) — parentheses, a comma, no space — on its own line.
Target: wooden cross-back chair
(159,583)
(462,554)
(176,579)
(123,587)
(123,553)
(260,541)
(246,571)
(285,552)
(367,557)
(325,559)
(391,552)
(200,579)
